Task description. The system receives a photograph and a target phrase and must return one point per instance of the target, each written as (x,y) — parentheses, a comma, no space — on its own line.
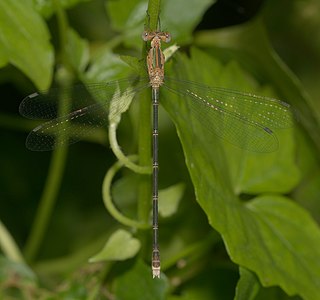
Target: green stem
(56,169)
(121,156)
(107,199)
(153,14)
(63,29)
(47,202)
(144,146)
(144,132)
(144,142)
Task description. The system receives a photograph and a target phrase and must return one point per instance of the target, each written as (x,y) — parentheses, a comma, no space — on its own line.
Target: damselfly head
(145,36)
(164,36)
(167,37)
(150,35)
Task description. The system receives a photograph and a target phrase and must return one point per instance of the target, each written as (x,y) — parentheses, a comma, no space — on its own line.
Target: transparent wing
(243,119)
(88,106)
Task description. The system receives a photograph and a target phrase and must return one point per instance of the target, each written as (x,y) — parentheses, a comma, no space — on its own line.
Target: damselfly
(243,119)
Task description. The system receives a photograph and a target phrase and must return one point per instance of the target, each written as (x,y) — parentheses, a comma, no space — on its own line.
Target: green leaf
(24,41)
(289,254)
(307,193)
(250,172)
(265,235)
(180,17)
(137,64)
(169,199)
(128,17)
(255,173)
(250,45)
(120,246)
(170,51)
(3,58)
(119,104)
(106,66)
(248,286)
(141,284)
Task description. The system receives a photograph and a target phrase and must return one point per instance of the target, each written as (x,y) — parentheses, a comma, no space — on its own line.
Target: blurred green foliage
(233,225)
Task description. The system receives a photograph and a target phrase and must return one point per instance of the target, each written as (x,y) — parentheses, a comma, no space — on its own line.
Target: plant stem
(47,203)
(153,14)
(144,133)
(144,146)
(121,156)
(63,29)
(106,194)
(57,165)
(144,141)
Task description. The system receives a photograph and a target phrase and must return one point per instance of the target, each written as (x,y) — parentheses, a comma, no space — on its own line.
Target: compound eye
(168,37)
(145,36)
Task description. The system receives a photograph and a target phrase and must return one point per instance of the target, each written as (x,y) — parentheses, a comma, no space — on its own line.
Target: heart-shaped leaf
(120,246)
(269,234)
